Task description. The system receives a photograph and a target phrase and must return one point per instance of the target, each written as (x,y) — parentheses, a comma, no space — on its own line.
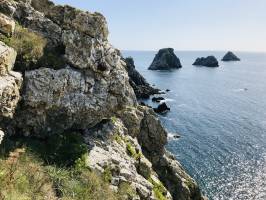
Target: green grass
(131,150)
(158,189)
(25,174)
(29,46)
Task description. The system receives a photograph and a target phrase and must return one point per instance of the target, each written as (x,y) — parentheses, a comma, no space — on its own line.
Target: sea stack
(209,61)
(165,59)
(230,56)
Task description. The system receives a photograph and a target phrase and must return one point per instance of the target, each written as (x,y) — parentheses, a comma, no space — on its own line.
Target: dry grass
(24,177)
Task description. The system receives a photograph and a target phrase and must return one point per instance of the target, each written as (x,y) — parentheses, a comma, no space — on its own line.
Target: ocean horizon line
(180,50)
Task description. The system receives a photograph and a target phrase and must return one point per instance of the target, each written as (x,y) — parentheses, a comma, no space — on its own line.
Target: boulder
(162,108)
(230,56)
(9,94)
(209,61)
(165,59)
(7,58)
(10,82)
(57,100)
(157,99)
(7,25)
(141,87)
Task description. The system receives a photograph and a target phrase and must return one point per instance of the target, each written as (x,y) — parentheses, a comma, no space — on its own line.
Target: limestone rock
(209,61)
(141,87)
(165,59)
(7,25)
(34,20)
(152,139)
(152,136)
(108,151)
(230,56)
(131,118)
(90,24)
(9,94)
(176,180)
(7,58)
(7,7)
(86,52)
(56,100)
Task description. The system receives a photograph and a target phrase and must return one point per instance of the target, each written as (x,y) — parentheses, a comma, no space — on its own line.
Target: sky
(238,25)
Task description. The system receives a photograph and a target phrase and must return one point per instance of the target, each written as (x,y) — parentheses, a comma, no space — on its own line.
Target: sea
(220,114)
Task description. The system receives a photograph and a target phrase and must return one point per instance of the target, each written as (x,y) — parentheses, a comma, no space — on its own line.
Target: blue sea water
(222,125)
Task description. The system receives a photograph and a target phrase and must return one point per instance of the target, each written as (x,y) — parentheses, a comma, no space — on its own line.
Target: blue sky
(182,24)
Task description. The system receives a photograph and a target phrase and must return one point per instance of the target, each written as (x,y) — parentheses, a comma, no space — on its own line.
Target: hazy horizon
(191,25)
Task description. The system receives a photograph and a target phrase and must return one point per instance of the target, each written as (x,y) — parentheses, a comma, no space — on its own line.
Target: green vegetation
(28,44)
(107,174)
(158,189)
(125,191)
(114,119)
(32,51)
(23,176)
(118,138)
(131,150)
(63,150)
(40,170)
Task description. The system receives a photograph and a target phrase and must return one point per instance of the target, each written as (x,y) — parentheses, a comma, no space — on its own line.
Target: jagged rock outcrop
(93,87)
(113,150)
(165,59)
(7,25)
(91,94)
(162,108)
(7,58)
(230,56)
(141,87)
(56,100)
(209,61)
(10,82)
(153,139)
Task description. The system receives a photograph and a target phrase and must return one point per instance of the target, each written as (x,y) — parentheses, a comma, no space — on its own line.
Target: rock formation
(209,61)
(7,25)
(157,99)
(165,59)
(162,108)
(90,94)
(10,82)
(141,87)
(230,56)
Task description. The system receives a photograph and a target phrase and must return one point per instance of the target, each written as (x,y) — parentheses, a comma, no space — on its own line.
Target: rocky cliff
(88,92)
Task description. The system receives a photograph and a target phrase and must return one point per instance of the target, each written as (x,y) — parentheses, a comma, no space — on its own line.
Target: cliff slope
(79,83)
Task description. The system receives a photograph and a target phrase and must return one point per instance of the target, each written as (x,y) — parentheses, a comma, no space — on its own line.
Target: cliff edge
(77,82)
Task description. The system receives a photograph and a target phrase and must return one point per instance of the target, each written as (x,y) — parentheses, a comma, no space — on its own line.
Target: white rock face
(61,99)
(10,82)
(7,25)
(9,93)
(7,58)
(109,151)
